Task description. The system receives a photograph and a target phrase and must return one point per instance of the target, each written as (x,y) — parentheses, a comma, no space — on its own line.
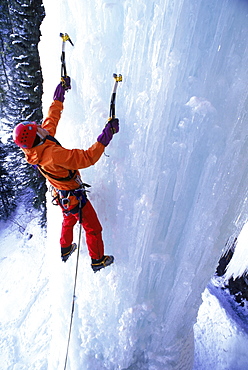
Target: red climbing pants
(92,227)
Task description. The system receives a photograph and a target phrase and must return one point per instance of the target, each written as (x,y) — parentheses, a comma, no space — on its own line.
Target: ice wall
(174,186)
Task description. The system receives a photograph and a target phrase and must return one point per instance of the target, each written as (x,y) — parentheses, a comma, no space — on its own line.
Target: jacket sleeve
(73,159)
(53,117)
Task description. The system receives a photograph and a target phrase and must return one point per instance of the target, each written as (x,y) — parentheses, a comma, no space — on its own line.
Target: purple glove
(59,93)
(66,82)
(111,128)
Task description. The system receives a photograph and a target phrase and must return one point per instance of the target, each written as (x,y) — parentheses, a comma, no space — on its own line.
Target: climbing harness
(113,96)
(65,37)
(71,175)
(63,198)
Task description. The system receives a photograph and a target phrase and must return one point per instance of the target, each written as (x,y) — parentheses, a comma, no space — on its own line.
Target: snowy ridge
(236,312)
(219,342)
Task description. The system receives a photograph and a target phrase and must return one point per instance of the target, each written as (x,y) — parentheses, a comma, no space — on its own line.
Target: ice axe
(113,96)
(65,37)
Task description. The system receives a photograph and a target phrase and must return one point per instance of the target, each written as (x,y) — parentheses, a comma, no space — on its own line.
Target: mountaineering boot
(97,265)
(66,252)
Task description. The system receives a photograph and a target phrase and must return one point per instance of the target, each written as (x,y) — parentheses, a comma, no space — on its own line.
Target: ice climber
(60,166)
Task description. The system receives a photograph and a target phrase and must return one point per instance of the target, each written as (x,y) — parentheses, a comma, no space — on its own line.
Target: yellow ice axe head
(117,78)
(65,37)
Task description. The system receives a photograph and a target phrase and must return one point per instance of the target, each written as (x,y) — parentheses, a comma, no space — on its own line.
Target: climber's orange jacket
(58,161)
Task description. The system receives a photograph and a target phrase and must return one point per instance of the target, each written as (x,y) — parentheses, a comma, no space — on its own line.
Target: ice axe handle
(65,37)
(113,97)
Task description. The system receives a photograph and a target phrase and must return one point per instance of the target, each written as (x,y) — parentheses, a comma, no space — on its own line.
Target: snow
(24,294)
(170,193)
(220,343)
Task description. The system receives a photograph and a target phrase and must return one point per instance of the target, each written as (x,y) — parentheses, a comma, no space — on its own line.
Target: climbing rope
(111,116)
(74,296)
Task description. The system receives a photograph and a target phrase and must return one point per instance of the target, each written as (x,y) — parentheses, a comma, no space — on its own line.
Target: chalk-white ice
(170,193)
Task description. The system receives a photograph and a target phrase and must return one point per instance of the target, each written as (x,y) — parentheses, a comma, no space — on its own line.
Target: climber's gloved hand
(111,128)
(64,85)
(66,82)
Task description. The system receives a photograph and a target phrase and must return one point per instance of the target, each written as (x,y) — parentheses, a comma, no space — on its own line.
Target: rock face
(237,287)
(21,89)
